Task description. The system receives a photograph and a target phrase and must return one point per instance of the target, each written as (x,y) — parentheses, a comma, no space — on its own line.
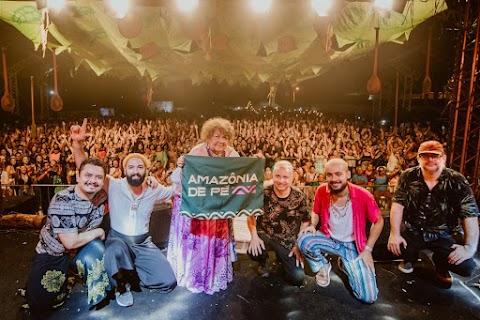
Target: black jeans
(440,247)
(293,274)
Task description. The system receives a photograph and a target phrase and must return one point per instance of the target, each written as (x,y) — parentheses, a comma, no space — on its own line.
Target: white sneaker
(323,275)
(124,299)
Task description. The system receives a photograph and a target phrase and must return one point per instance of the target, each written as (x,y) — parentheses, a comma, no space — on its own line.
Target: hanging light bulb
(322,7)
(187,5)
(118,8)
(261,6)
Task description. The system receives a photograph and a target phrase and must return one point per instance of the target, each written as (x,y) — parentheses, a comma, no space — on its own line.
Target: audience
(306,141)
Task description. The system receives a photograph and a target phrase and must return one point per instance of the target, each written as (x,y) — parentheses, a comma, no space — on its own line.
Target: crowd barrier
(36,197)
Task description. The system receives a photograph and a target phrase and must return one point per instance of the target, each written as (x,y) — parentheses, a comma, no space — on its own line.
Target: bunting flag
(223,187)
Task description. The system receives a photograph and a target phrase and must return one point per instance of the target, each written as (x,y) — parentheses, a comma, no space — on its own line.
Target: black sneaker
(263,271)
(124,299)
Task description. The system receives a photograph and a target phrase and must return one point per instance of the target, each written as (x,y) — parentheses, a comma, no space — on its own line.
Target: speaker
(160,224)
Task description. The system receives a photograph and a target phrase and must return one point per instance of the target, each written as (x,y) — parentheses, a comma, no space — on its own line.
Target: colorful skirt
(200,252)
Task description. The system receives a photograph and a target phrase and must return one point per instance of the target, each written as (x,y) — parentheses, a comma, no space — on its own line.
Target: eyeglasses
(430,156)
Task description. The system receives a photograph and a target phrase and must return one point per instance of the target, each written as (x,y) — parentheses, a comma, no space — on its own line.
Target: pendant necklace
(339,212)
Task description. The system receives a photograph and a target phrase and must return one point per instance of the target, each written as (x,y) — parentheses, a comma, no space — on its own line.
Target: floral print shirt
(438,210)
(283,216)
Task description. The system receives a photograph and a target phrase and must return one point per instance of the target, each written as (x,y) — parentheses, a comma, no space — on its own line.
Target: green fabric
(222,40)
(223,187)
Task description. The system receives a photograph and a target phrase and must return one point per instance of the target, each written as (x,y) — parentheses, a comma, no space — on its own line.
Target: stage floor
(401,296)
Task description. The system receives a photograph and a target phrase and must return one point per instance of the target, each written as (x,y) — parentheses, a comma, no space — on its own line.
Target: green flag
(223,187)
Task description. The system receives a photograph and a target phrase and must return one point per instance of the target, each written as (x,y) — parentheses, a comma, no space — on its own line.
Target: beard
(337,191)
(135,181)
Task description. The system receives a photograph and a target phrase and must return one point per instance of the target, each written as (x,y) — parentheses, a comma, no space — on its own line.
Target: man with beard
(343,209)
(431,200)
(71,239)
(131,257)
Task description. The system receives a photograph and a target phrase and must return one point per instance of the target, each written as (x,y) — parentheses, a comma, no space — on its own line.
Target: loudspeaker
(160,224)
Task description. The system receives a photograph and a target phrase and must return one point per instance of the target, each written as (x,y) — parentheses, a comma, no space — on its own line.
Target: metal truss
(464,104)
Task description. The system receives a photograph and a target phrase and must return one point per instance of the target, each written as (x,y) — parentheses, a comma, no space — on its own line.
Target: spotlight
(322,7)
(261,6)
(56,5)
(383,5)
(118,8)
(187,5)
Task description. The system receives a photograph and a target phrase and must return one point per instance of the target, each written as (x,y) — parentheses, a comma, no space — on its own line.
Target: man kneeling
(71,238)
(285,212)
(343,209)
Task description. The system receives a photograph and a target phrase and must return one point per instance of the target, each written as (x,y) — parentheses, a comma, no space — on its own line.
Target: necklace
(210,153)
(339,212)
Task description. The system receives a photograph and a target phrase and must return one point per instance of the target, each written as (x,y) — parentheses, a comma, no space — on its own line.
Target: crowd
(345,221)
(376,155)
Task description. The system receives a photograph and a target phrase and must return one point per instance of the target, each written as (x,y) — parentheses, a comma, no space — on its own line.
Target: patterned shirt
(440,209)
(283,216)
(68,213)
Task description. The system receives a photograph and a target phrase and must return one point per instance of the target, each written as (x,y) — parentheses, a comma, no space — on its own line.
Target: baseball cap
(431,146)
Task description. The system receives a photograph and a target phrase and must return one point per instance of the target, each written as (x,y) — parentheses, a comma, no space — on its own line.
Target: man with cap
(431,200)
(131,257)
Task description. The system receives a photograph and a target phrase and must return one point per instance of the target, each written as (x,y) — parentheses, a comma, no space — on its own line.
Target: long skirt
(200,252)
(47,283)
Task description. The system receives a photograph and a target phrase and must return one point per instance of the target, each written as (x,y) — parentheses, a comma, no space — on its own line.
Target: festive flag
(223,187)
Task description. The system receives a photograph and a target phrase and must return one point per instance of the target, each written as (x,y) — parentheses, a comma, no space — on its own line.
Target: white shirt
(341,228)
(129,213)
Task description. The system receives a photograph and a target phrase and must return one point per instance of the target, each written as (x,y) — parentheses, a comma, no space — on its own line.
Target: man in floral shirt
(431,199)
(285,210)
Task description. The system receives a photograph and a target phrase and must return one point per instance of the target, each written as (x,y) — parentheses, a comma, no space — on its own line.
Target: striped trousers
(361,279)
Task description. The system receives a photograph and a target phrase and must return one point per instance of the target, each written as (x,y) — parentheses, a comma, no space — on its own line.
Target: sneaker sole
(123,304)
(407,271)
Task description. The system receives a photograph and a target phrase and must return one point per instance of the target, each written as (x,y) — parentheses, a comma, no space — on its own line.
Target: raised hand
(77,132)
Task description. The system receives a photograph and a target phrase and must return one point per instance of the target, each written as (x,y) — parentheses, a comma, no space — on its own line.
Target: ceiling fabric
(221,41)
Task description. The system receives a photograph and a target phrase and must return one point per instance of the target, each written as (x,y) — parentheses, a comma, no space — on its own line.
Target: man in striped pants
(343,209)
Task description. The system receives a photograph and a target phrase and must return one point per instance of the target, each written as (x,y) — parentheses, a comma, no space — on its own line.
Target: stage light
(322,7)
(118,8)
(261,6)
(187,5)
(56,5)
(383,5)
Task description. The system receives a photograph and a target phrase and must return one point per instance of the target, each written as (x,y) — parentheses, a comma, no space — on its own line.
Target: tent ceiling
(221,40)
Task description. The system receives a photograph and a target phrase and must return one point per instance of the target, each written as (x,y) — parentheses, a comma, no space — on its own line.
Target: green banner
(219,188)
